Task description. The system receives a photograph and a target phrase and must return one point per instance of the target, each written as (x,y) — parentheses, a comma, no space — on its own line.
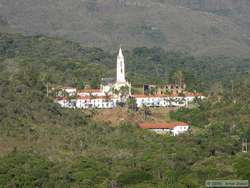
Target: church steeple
(120,67)
(120,53)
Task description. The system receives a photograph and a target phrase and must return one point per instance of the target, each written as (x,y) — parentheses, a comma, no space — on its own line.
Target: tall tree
(179,77)
(45,79)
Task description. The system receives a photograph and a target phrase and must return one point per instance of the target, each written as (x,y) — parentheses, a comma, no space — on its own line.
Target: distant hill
(199,27)
(237,11)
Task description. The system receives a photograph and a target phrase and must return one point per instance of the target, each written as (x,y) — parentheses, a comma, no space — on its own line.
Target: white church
(115,91)
(121,82)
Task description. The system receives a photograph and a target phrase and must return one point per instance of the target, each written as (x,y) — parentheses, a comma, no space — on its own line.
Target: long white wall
(102,103)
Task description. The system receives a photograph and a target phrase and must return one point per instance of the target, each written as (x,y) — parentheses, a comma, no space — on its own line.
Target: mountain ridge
(107,24)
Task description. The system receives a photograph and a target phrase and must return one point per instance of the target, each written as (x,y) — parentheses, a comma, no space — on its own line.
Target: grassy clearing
(118,115)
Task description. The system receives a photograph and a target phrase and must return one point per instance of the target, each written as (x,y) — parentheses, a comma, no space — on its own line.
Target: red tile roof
(90,91)
(140,96)
(95,97)
(147,96)
(87,98)
(188,94)
(150,125)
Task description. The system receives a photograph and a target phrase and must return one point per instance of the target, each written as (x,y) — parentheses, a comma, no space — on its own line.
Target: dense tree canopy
(43,145)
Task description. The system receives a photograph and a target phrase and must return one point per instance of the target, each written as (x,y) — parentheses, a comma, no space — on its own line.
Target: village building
(86,102)
(174,89)
(166,100)
(160,101)
(95,102)
(107,85)
(91,92)
(173,128)
(70,91)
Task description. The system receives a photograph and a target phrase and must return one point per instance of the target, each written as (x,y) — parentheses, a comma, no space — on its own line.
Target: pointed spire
(120,52)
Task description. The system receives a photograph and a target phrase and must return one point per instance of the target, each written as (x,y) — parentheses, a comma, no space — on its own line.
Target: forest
(44,145)
(75,65)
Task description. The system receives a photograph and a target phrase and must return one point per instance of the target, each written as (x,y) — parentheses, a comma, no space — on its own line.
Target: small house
(173,128)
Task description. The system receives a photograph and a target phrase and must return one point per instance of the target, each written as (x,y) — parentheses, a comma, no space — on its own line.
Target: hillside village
(114,92)
(45,145)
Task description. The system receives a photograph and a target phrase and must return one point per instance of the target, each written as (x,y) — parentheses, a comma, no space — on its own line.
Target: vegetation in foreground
(43,145)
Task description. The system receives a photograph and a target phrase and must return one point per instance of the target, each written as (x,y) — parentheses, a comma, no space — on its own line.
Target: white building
(165,101)
(174,128)
(120,78)
(96,102)
(87,102)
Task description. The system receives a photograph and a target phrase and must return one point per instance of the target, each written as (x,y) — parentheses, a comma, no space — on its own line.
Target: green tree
(94,84)
(45,78)
(179,77)
(24,170)
(131,103)
(146,112)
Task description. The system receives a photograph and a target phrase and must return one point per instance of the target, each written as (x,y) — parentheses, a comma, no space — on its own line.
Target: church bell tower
(120,78)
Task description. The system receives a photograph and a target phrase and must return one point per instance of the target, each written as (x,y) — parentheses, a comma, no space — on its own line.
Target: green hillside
(43,145)
(76,65)
(109,23)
